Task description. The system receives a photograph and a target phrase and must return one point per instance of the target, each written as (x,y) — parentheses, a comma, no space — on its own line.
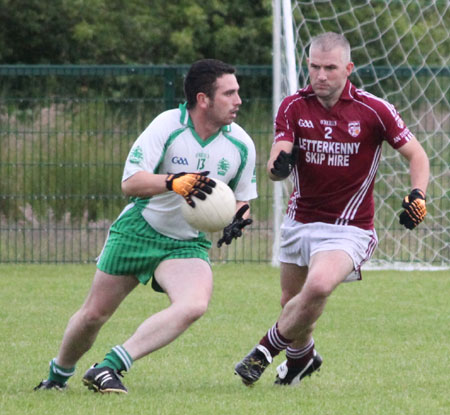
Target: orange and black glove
(415,209)
(234,229)
(190,184)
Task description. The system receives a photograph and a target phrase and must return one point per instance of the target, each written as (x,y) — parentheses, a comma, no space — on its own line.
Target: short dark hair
(202,76)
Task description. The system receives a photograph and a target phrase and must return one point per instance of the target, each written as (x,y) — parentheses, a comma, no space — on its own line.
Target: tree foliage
(134,31)
(175,32)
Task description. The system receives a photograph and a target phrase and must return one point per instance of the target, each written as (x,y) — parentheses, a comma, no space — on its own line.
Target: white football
(213,213)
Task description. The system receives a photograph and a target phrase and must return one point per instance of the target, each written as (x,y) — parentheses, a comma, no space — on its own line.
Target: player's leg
(327,270)
(303,299)
(297,321)
(106,294)
(252,366)
(294,258)
(188,283)
(292,279)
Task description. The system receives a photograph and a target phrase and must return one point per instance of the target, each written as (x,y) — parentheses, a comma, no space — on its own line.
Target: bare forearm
(144,184)
(419,168)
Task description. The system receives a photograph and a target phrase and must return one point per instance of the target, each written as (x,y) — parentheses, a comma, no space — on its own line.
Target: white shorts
(300,241)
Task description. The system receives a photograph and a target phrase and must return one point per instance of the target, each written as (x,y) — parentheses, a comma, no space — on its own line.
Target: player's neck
(203,126)
(328,103)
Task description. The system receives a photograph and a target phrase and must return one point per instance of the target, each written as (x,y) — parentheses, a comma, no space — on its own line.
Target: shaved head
(329,66)
(329,41)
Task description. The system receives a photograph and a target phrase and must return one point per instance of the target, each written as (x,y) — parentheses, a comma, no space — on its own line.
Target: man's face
(328,73)
(224,106)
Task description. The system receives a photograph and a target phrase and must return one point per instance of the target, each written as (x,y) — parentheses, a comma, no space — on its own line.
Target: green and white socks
(117,359)
(60,374)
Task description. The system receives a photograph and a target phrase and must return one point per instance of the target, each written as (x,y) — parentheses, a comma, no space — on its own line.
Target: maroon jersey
(340,151)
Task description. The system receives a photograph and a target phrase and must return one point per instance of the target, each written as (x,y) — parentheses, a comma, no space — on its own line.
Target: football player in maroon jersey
(328,139)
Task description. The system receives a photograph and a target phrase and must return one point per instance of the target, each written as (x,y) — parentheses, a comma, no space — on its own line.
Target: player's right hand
(284,163)
(191,184)
(415,209)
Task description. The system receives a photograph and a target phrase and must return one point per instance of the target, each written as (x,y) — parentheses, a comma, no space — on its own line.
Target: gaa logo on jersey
(180,160)
(354,128)
(305,123)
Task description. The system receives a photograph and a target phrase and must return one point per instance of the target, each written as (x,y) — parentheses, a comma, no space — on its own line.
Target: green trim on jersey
(185,119)
(184,113)
(203,143)
(243,151)
(168,146)
(169,141)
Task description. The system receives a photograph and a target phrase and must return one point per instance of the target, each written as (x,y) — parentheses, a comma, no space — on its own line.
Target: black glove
(284,163)
(190,184)
(234,229)
(415,209)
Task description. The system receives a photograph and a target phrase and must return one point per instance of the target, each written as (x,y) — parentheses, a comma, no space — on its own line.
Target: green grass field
(385,342)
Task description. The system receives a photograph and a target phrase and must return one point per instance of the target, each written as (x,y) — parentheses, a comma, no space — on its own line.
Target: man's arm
(144,184)
(419,165)
(419,169)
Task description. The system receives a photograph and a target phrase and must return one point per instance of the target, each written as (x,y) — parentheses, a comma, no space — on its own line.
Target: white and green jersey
(171,145)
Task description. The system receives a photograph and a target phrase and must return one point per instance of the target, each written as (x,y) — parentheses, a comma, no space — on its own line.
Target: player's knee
(194,310)
(285,297)
(93,317)
(318,287)
(198,310)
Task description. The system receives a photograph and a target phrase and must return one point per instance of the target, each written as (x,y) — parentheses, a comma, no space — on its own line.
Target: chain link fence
(65,132)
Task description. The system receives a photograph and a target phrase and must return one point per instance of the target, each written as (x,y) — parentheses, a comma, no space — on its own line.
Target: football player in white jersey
(177,156)
(328,137)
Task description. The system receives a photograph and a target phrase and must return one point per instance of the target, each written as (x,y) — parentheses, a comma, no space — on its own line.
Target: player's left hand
(415,209)
(234,229)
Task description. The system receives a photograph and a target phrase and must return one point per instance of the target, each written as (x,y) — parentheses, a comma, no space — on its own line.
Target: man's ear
(349,68)
(202,100)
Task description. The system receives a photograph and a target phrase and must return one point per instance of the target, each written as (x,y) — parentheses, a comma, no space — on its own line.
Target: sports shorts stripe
(133,247)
